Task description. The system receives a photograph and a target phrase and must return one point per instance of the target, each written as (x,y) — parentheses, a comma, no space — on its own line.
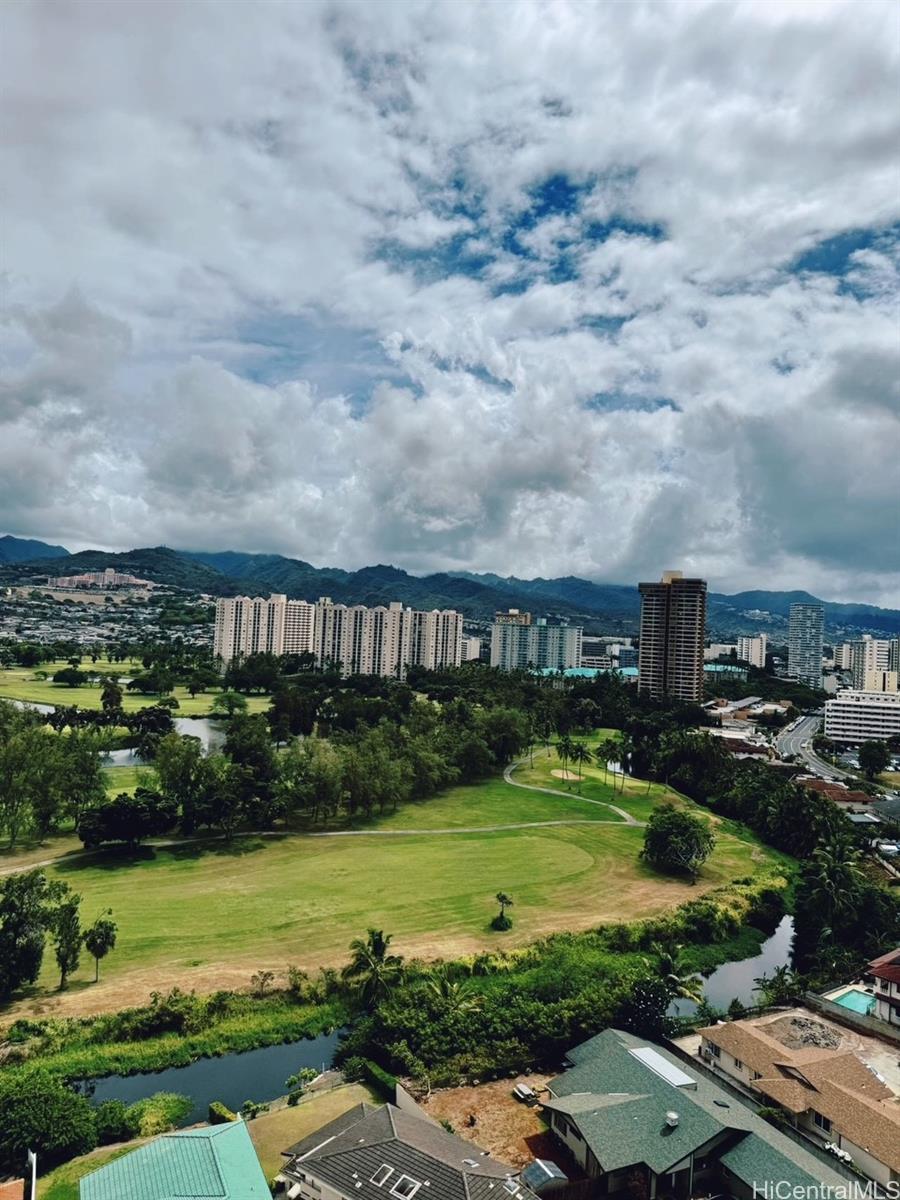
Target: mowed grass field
(23,683)
(208,915)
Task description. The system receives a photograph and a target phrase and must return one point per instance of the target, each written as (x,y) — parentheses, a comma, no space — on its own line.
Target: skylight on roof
(661,1066)
(381,1175)
(405,1187)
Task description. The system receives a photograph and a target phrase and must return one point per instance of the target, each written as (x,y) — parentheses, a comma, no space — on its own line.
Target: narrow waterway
(735,979)
(257,1075)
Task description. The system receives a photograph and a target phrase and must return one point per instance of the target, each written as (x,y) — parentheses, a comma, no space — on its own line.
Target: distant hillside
(14,550)
(612,608)
(158,564)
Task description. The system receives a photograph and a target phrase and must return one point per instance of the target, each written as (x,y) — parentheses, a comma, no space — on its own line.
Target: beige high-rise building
(512,616)
(868,655)
(880,681)
(752,650)
(843,656)
(673,629)
(384,640)
(253,625)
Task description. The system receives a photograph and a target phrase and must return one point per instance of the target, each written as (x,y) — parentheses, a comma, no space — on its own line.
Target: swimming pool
(857,1001)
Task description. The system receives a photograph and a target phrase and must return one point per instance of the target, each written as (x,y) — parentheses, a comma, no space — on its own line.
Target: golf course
(207,913)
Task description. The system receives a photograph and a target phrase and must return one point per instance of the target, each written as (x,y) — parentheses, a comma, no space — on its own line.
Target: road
(798,740)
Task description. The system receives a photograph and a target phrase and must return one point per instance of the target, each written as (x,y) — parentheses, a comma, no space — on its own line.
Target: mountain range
(610,608)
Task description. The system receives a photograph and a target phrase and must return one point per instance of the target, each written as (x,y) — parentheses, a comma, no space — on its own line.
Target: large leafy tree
(28,908)
(37,1111)
(676,840)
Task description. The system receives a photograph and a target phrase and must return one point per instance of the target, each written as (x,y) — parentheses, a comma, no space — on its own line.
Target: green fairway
(125,779)
(23,683)
(204,915)
(595,784)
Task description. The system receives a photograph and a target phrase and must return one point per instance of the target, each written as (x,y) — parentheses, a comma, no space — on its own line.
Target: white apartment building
(540,646)
(843,656)
(360,640)
(752,650)
(253,625)
(805,632)
(471,649)
(856,716)
(868,655)
(718,650)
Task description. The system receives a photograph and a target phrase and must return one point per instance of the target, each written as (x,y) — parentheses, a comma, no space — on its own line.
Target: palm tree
(836,877)
(672,966)
(783,986)
(564,749)
(372,970)
(452,995)
(603,753)
(580,755)
(625,748)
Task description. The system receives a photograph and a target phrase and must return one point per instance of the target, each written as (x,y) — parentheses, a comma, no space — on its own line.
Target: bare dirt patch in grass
(560,774)
(512,1132)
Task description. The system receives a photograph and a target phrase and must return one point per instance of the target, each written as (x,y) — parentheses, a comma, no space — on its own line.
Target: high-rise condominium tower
(806,626)
(673,631)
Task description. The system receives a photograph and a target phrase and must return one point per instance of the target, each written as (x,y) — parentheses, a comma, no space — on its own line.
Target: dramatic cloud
(534,287)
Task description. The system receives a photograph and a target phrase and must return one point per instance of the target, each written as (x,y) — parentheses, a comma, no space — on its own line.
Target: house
(826,1090)
(886,971)
(388,1154)
(640,1121)
(217,1162)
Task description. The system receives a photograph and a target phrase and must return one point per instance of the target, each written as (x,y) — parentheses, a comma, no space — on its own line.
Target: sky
(540,288)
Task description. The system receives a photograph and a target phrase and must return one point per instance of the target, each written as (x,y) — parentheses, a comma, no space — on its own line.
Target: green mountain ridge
(602,607)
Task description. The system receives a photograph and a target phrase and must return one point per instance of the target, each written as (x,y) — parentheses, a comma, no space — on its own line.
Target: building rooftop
(217,1162)
(368,1152)
(636,1103)
(831,1079)
(887,966)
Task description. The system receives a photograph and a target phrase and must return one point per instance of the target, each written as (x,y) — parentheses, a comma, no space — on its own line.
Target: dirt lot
(512,1132)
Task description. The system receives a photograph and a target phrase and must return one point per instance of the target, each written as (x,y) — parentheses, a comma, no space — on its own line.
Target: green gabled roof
(214,1163)
(629,1129)
(619,1104)
(755,1163)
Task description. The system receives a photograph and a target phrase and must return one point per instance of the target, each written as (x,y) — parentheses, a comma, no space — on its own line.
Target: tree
(28,902)
(111,695)
(69,677)
(783,986)
(229,704)
(128,819)
(676,840)
(67,938)
(502,921)
(580,755)
(99,939)
(671,963)
(564,747)
(372,970)
(874,758)
(37,1110)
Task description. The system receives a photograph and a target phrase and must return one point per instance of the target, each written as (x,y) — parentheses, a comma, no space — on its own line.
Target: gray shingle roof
(620,1106)
(349,1151)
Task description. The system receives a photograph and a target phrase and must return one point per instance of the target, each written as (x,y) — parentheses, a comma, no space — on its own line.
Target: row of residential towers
(384,640)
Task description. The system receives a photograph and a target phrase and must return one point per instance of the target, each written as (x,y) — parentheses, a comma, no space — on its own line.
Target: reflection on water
(253,1075)
(735,979)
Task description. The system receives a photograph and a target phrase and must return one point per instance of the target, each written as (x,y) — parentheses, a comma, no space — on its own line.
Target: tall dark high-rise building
(673,631)
(805,635)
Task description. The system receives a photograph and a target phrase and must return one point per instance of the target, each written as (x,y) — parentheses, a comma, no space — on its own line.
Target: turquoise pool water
(857,1001)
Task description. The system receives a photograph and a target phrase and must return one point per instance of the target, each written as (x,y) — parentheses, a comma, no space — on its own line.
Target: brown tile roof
(14,1190)
(887,966)
(835,1083)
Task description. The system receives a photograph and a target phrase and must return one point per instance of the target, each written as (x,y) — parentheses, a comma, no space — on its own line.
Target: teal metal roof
(214,1163)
